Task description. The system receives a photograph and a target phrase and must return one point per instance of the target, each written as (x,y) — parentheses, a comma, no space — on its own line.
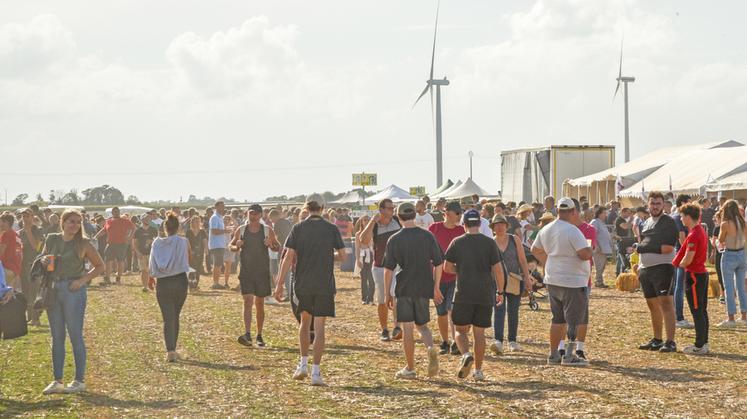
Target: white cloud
(40,47)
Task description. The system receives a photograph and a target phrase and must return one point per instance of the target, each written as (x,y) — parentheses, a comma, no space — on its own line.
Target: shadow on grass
(98,399)
(331,349)
(730,357)
(512,390)
(97,288)
(382,390)
(11,407)
(217,366)
(654,374)
(206,293)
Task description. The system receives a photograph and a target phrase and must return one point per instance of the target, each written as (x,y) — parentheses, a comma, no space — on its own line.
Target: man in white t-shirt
(422,218)
(565,253)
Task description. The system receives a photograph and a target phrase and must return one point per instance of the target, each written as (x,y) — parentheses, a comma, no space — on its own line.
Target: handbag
(13,318)
(513,284)
(47,296)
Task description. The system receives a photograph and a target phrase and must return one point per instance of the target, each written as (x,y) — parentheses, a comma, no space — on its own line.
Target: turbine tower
(624,81)
(429,89)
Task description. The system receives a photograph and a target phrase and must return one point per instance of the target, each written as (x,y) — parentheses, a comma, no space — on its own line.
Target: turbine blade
(427,87)
(616,90)
(435,30)
(620,72)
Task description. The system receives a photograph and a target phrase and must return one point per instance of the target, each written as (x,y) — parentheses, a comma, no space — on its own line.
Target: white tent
(353,197)
(735,182)
(393,192)
(446,192)
(132,210)
(692,172)
(468,188)
(602,186)
(448,184)
(65,207)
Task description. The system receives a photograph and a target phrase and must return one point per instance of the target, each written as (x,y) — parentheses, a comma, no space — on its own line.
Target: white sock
(316,369)
(304,361)
(579,346)
(467,353)
(561,345)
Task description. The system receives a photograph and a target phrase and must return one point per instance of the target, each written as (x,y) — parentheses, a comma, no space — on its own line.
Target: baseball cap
(405,208)
(566,203)
(471,215)
(255,208)
(454,206)
(25,210)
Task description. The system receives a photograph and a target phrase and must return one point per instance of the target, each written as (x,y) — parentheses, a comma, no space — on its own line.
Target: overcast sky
(248,99)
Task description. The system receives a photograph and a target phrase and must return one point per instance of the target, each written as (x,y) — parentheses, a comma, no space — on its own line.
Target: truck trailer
(530,174)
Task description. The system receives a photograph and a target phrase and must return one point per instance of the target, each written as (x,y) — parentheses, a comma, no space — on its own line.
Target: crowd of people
(473,258)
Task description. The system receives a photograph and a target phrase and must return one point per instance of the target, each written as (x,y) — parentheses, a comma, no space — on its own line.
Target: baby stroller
(538,287)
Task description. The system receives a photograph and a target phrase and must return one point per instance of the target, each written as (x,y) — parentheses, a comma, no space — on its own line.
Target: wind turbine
(429,89)
(624,81)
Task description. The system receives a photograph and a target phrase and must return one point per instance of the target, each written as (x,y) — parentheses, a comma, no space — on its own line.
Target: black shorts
(116,252)
(568,305)
(254,285)
(657,280)
(316,305)
(413,309)
(465,314)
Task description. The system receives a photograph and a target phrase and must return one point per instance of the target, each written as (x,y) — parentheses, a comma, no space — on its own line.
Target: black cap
(255,208)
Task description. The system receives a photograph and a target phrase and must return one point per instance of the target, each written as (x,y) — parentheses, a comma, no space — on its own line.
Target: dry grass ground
(127,375)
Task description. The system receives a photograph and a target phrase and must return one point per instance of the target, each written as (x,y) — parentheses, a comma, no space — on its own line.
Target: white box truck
(531,174)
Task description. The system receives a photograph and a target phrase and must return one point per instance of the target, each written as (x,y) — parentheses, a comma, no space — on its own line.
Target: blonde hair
(80,239)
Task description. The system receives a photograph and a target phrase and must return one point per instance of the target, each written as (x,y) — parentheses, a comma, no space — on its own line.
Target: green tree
(20,200)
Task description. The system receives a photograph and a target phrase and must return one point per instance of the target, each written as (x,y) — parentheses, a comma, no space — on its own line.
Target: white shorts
(378,277)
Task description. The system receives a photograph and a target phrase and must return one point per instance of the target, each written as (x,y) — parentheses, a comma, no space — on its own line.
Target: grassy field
(128,376)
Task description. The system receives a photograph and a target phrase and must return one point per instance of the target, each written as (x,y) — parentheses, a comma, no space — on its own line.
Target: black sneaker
(385,336)
(465,366)
(561,352)
(444,348)
(260,341)
(580,354)
(245,339)
(652,345)
(455,349)
(669,346)
(397,333)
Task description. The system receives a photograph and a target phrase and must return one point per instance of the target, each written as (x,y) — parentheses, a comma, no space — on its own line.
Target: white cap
(566,204)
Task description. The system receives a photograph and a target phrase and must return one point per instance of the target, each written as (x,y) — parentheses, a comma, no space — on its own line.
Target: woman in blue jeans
(733,263)
(66,254)
(515,262)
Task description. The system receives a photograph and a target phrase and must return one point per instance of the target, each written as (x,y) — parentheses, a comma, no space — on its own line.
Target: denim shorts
(447,290)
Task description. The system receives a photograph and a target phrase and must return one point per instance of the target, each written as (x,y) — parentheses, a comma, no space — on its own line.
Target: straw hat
(524,208)
(547,217)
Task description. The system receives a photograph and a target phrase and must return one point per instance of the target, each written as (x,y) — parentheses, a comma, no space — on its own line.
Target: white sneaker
(406,374)
(301,372)
(497,348)
(271,301)
(478,375)
(55,387)
(432,361)
(694,350)
(514,346)
(741,322)
(684,324)
(316,380)
(75,387)
(727,324)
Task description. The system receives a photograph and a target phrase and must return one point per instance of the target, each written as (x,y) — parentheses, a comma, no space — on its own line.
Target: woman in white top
(733,263)
(169,264)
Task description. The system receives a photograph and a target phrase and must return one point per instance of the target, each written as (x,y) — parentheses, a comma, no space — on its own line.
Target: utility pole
(625,81)
(471,154)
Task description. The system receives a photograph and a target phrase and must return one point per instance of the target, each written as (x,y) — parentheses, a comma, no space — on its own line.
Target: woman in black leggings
(169,264)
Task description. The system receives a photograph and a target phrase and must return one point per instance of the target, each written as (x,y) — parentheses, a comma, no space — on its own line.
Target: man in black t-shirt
(417,253)
(312,244)
(624,232)
(477,262)
(142,240)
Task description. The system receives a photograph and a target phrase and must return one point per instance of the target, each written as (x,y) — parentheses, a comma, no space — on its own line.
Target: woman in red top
(10,251)
(692,257)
